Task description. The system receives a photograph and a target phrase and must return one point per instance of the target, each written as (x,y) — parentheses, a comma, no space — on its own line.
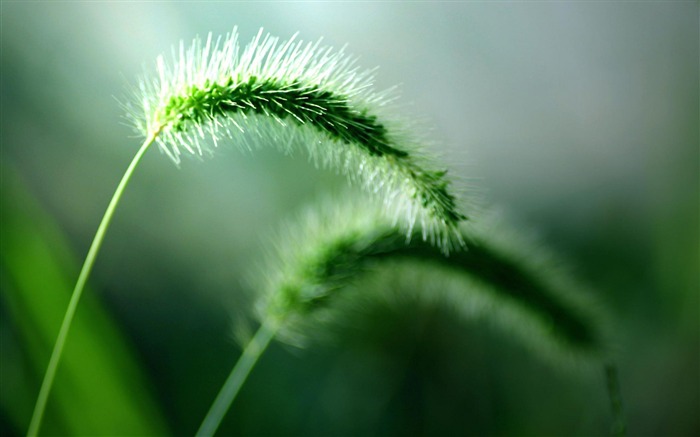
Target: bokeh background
(579,119)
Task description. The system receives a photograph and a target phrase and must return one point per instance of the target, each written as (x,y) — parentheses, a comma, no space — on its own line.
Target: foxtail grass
(288,94)
(499,277)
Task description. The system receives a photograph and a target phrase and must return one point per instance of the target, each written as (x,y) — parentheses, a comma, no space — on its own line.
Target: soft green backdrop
(579,119)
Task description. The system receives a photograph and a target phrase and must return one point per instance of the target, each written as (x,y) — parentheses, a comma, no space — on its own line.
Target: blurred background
(579,119)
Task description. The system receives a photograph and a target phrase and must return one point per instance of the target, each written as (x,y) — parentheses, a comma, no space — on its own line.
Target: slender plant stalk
(619,428)
(237,378)
(50,374)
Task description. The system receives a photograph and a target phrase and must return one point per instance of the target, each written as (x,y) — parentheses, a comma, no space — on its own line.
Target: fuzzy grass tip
(294,94)
(499,277)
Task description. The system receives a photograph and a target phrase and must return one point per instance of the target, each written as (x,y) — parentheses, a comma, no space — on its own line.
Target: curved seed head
(498,277)
(293,94)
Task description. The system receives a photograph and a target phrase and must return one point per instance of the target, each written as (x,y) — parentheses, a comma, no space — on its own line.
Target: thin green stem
(50,374)
(236,379)
(619,428)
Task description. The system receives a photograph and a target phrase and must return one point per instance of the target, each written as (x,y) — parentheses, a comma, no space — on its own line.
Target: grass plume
(495,278)
(287,94)
(297,95)
(327,251)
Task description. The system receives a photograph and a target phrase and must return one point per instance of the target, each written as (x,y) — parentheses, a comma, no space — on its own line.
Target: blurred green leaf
(100,386)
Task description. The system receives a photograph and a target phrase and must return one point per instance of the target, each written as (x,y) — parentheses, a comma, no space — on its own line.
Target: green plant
(295,95)
(108,392)
(499,278)
(290,94)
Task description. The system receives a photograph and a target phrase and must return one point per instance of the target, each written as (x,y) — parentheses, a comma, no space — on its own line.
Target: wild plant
(288,94)
(295,95)
(499,278)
